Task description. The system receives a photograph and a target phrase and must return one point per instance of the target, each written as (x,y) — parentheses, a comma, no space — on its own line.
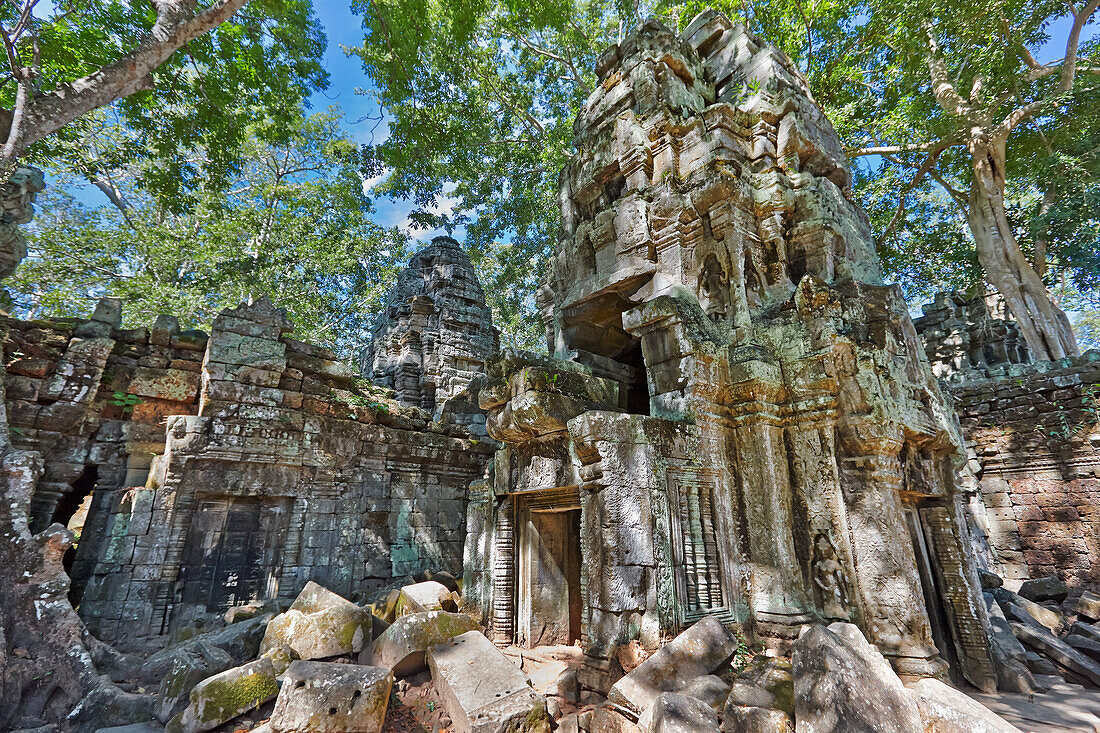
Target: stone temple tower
(435,334)
(738,418)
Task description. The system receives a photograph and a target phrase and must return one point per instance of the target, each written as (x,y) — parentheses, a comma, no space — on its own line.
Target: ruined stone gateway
(737,426)
(738,418)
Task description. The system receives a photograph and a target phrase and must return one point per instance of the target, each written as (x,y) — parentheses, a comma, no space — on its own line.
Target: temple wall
(1033,438)
(227,468)
(1032,434)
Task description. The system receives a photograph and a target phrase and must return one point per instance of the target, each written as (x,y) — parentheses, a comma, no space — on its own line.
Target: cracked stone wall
(434,335)
(1033,441)
(227,467)
(741,408)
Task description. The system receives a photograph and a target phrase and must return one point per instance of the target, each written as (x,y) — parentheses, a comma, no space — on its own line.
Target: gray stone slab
(482,690)
(698,651)
(1056,649)
(322,697)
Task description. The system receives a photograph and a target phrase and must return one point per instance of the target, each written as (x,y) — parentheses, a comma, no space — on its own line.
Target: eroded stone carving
(435,334)
(743,407)
(227,468)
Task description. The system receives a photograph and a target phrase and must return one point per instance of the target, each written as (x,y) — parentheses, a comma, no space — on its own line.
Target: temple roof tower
(436,331)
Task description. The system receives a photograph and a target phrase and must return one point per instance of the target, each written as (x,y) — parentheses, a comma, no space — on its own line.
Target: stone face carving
(730,380)
(435,334)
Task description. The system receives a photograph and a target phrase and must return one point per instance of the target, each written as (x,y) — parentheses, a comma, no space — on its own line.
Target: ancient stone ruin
(734,496)
(432,339)
(738,419)
(229,468)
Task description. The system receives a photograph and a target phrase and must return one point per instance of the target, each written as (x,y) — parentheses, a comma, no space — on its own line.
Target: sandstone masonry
(227,468)
(738,418)
(1033,439)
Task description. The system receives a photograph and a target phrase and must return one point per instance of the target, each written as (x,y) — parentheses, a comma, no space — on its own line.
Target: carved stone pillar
(887,584)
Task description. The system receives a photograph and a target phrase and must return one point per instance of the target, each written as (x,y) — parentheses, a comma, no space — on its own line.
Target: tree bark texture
(1044,325)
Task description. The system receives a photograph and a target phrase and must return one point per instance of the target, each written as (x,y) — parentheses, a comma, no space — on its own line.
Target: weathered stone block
(402,646)
(482,690)
(322,697)
(842,683)
(698,651)
(673,712)
(224,696)
(946,710)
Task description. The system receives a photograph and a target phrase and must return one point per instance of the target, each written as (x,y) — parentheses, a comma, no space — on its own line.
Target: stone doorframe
(555,499)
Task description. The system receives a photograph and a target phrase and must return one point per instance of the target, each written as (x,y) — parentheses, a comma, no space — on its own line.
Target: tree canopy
(481,100)
(294,225)
(185,80)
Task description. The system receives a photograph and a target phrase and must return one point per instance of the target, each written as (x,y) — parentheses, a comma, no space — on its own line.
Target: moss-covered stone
(226,695)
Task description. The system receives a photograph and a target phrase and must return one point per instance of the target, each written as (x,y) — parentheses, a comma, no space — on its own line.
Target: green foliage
(480,100)
(126,401)
(246,78)
(294,225)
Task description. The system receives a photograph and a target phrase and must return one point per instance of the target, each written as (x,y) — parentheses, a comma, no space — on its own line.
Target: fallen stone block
(697,651)
(1009,655)
(190,666)
(319,624)
(1049,588)
(604,719)
(744,693)
(1084,644)
(402,646)
(946,710)
(1030,613)
(710,689)
(426,596)
(842,683)
(1088,606)
(1089,631)
(745,719)
(447,580)
(989,580)
(106,705)
(675,712)
(1039,665)
(224,696)
(1054,648)
(774,676)
(482,690)
(241,641)
(323,697)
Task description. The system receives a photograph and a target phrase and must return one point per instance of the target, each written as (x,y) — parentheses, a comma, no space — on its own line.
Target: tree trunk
(1044,325)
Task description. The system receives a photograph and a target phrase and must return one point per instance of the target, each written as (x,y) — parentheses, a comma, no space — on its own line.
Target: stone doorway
(231,557)
(548,578)
(933,597)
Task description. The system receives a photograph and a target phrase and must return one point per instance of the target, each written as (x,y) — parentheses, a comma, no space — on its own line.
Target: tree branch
(922,171)
(946,95)
(937,146)
(177,23)
(1069,70)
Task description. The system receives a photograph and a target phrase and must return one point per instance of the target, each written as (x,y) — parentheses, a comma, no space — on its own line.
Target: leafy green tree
(952,96)
(295,225)
(482,97)
(182,76)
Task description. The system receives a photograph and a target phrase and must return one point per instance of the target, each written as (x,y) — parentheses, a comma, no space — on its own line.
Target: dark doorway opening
(637,383)
(69,504)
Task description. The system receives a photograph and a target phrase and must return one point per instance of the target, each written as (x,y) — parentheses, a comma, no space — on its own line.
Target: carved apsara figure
(829,578)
